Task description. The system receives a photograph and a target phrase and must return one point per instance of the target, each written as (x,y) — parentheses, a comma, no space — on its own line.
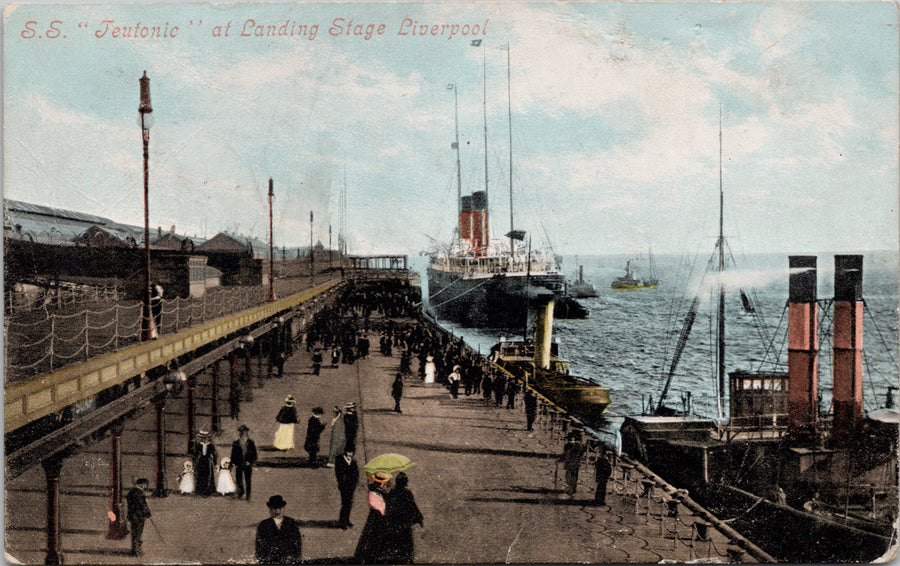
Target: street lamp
(271,249)
(148,328)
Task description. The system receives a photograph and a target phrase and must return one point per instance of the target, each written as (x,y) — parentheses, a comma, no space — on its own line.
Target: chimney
(543,334)
(803,367)
(847,347)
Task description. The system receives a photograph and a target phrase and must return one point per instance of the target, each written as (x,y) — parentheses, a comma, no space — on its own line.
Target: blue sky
(615,111)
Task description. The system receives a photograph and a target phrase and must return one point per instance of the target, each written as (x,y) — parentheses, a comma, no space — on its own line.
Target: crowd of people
(339,334)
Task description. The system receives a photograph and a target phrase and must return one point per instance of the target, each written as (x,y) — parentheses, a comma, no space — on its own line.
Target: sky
(613,110)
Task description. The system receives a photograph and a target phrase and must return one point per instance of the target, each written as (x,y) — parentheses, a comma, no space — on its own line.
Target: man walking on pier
(571,459)
(243,456)
(346,471)
(530,409)
(397,392)
(138,512)
(602,471)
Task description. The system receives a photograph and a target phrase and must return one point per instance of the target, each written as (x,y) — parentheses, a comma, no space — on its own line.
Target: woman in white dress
(429,369)
(186,479)
(224,482)
(286,418)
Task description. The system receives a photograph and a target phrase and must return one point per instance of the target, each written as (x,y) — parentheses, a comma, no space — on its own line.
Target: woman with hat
(314,428)
(286,419)
(205,462)
(374,546)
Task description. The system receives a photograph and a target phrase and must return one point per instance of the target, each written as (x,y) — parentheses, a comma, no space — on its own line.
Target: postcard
(214,210)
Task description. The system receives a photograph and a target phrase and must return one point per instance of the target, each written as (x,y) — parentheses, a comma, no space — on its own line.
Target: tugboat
(629,282)
(536,363)
(581,289)
(803,487)
(486,284)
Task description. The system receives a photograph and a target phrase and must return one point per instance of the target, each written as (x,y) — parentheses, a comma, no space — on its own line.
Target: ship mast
(720,325)
(509,114)
(484,112)
(458,166)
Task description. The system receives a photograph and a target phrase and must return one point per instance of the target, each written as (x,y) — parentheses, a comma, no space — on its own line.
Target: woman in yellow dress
(287,418)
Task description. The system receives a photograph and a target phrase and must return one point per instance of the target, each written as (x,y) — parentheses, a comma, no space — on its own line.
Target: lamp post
(148,328)
(312,253)
(271,250)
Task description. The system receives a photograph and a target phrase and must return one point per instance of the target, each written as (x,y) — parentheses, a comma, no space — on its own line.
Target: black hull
(499,301)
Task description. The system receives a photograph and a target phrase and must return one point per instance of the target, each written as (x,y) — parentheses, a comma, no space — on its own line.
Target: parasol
(388,464)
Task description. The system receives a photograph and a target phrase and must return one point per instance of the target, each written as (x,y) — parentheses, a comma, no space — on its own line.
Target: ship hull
(495,300)
(574,395)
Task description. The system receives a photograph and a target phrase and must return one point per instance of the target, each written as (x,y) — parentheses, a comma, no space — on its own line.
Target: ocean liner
(488,283)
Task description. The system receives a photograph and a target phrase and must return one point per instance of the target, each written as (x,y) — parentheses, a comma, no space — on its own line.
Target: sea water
(628,341)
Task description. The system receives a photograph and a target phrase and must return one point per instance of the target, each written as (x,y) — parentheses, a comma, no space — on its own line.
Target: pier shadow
(284,462)
(332,560)
(473,450)
(318,524)
(537,501)
(94,532)
(99,551)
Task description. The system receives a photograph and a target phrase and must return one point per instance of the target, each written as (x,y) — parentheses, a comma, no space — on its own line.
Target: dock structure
(490,491)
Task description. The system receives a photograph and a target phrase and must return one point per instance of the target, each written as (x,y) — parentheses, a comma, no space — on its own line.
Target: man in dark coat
(278,539)
(346,471)
(512,389)
(138,512)
(243,456)
(530,409)
(314,428)
(397,392)
(351,426)
(602,470)
(571,459)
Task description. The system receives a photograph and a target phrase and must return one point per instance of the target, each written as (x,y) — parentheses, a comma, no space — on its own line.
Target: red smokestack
(479,223)
(803,365)
(465,220)
(847,347)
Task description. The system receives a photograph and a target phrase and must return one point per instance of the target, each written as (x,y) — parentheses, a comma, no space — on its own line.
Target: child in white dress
(225,482)
(186,479)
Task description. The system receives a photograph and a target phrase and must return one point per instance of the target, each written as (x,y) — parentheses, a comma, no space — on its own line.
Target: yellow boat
(536,364)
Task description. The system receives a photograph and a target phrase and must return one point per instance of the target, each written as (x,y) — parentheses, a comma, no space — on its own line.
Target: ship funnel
(803,351)
(479,223)
(543,334)
(847,347)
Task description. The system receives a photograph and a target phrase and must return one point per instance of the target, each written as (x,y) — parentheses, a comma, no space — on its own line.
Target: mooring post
(52,468)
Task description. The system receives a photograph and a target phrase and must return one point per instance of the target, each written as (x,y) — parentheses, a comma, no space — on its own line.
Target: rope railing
(57,337)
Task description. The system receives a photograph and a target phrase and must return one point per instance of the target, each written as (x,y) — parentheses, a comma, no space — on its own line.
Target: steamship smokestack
(543,333)
(479,223)
(847,347)
(803,362)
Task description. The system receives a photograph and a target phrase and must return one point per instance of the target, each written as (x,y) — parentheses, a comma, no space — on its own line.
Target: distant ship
(581,289)
(629,282)
(492,284)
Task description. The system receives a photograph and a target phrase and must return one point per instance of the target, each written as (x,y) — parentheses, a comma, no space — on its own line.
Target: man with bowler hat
(243,456)
(278,538)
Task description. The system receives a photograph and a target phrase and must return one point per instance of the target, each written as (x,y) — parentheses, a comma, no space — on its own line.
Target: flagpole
(458,165)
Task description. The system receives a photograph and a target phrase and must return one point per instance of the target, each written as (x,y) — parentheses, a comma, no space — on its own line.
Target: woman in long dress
(374,540)
(429,369)
(186,479)
(338,437)
(401,513)
(225,482)
(286,418)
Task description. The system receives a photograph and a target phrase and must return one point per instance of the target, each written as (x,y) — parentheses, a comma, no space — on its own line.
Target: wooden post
(161,490)
(214,410)
(52,467)
(189,394)
(117,525)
